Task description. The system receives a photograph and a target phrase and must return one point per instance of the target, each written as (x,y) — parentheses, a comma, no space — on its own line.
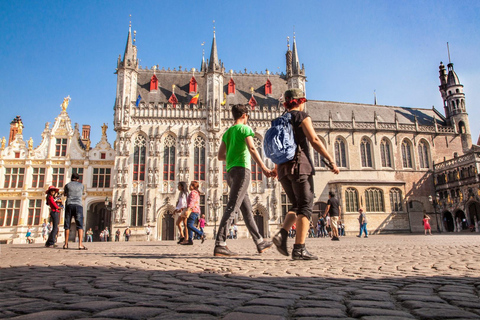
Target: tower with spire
(295,73)
(127,73)
(454,103)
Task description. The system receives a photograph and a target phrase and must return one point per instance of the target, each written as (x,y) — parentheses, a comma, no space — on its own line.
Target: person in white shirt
(181,206)
(148,231)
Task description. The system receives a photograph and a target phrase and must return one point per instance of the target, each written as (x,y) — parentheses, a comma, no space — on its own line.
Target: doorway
(168,226)
(448,222)
(99,218)
(259,222)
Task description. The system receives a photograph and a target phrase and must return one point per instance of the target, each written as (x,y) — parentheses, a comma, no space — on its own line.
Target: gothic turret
(295,73)
(214,63)
(214,88)
(454,103)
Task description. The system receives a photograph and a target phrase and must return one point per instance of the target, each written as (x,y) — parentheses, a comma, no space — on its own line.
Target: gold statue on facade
(88,145)
(65,102)
(30,144)
(19,125)
(104,129)
(4,141)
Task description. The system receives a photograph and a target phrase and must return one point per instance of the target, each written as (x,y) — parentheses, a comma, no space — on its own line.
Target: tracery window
(340,153)
(407,154)
(423,154)
(366,153)
(374,200)
(199,159)
(136,218)
(385,153)
(139,153)
(396,199)
(351,200)
(169,158)
(256,169)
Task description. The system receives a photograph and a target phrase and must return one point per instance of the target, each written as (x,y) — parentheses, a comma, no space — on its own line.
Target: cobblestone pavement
(382,277)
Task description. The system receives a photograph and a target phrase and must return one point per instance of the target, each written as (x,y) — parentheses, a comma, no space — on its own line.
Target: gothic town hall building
(169,124)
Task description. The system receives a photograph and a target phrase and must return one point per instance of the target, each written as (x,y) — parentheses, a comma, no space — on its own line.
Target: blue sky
(51,49)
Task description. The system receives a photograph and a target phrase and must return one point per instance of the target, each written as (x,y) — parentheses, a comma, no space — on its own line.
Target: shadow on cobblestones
(75,292)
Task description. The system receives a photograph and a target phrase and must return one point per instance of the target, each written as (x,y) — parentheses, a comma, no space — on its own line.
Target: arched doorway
(474,211)
(448,222)
(168,226)
(258,216)
(98,218)
(461,220)
(318,210)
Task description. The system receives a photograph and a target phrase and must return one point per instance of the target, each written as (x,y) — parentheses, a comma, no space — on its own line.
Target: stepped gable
(342,112)
(243,83)
(181,80)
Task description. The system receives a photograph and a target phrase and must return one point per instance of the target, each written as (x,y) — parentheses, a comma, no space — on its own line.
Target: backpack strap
(298,150)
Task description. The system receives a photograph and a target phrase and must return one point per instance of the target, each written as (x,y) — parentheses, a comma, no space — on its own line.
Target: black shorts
(75,211)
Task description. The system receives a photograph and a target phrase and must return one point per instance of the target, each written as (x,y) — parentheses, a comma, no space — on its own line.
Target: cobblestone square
(382,277)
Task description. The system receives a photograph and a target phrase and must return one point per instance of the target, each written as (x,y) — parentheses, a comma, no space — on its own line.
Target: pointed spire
(203,66)
(295,61)
(129,57)
(288,57)
(213,64)
(375,97)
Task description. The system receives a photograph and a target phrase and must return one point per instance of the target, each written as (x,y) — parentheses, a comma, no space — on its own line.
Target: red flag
(173,100)
(252,102)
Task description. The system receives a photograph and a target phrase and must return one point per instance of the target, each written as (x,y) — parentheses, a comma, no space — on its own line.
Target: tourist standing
(296,177)
(127,234)
(362,219)
(148,231)
(74,192)
(201,223)
(117,235)
(333,210)
(236,149)
(28,235)
(106,234)
(54,216)
(90,235)
(426,224)
(192,212)
(180,210)
(45,230)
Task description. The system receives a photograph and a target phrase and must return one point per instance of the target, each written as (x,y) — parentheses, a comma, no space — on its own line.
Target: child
(236,148)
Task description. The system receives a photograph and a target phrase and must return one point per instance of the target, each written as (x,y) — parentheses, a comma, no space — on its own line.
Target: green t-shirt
(237,151)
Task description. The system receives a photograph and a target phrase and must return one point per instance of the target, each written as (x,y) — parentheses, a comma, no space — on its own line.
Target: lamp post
(214,204)
(434,203)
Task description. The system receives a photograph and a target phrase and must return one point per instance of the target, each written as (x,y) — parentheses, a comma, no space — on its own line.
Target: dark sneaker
(335,239)
(223,251)
(302,254)
(264,246)
(358,236)
(180,240)
(281,243)
(366,237)
(189,243)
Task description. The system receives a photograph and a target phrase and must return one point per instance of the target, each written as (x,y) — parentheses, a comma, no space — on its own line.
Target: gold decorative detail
(88,145)
(104,129)
(19,125)
(99,194)
(58,162)
(103,163)
(4,141)
(11,162)
(65,103)
(10,194)
(77,162)
(30,144)
(38,162)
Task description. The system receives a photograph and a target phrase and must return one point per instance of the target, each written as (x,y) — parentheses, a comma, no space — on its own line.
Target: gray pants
(238,179)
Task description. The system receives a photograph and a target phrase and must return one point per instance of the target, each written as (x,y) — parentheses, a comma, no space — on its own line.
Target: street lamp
(434,203)
(215,205)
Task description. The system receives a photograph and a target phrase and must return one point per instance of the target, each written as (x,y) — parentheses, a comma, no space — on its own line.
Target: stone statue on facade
(127,146)
(150,176)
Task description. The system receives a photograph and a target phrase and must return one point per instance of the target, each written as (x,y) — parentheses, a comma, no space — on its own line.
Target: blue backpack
(279,143)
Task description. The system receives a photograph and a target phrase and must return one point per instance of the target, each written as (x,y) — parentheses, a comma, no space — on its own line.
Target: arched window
(396,199)
(169,158)
(231,86)
(385,153)
(340,153)
(268,87)
(199,159)
(154,83)
(351,200)
(256,169)
(461,127)
(407,154)
(374,200)
(193,85)
(139,153)
(366,153)
(423,154)
(317,157)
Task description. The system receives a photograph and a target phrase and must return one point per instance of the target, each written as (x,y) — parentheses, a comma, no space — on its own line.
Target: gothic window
(268,87)
(58,177)
(9,212)
(139,153)
(366,153)
(34,212)
(423,154)
(285,203)
(351,200)
(461,127)
(199,159)
(193,85)
(202,204)
(61,147)
(340,153)
(231,86)
(317,157)
(396,199)
(14,177)
(407,154)
(38,178)
(256,169)
(385,153)
(224,171)
(169,158)
(154,83)
(374,200)
(136,218)
(101,178)
(78,171)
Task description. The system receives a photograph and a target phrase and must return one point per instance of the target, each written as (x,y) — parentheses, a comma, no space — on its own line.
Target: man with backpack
(236,149)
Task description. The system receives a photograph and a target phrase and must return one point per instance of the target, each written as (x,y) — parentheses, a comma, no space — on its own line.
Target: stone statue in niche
(127,146)
(121,144)
(119,178)
(157,177)
(150,176)
(157,146)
